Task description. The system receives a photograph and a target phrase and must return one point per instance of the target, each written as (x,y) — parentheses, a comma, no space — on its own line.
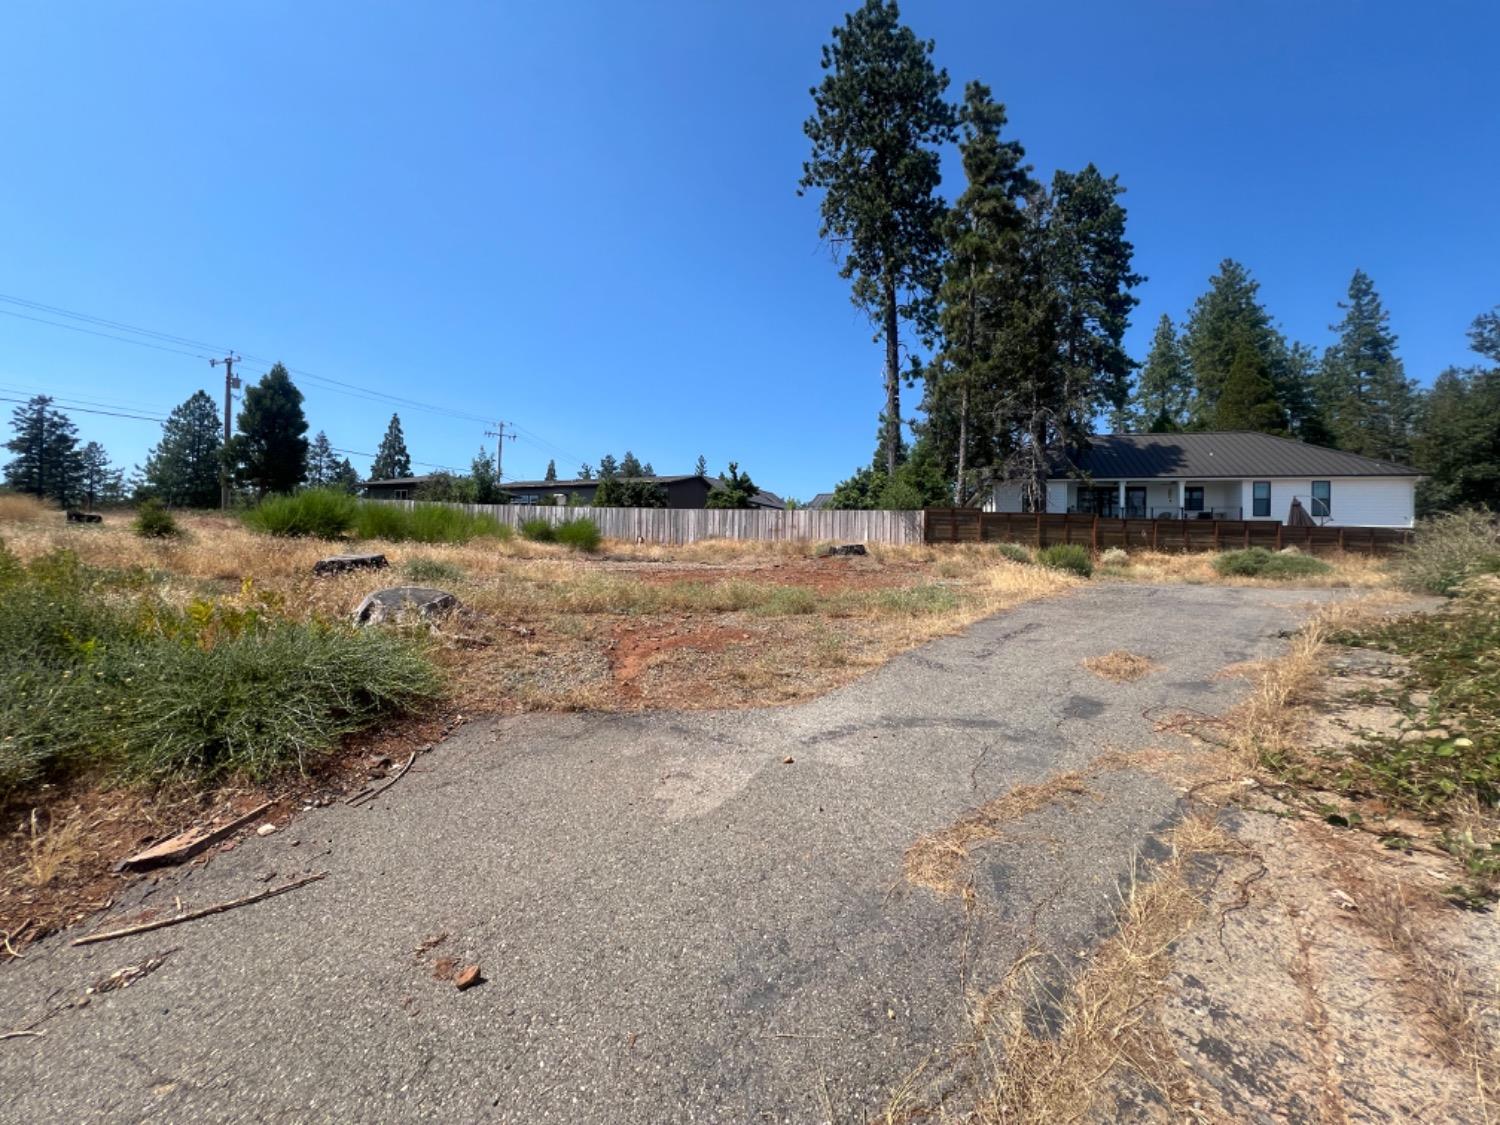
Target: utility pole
(499,434)
(231,384)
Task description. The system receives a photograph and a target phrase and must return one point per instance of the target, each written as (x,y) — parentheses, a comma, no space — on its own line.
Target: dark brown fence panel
(966,525)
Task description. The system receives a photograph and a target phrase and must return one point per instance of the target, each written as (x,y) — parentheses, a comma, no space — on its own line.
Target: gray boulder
(403,604)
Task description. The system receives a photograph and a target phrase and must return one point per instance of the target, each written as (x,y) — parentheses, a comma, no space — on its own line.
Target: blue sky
(582,218)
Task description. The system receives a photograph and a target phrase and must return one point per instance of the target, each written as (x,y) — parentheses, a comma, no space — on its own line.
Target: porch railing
(1142,512)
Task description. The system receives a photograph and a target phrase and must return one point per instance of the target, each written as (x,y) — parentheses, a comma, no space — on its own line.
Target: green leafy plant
(1067,556)
(538,530)
(1257,562)
(153,521)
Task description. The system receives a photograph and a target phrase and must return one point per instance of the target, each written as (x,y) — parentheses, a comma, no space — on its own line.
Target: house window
(400,494)
(1192,497)
(1322,498)
(1261,500)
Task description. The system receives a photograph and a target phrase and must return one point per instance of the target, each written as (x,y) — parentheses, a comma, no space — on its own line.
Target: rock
(85,517)
(339,564)
(400,603)
(265,829)
(467,977)
(788,760)
(1435,734)
(848,549)
(1408,737)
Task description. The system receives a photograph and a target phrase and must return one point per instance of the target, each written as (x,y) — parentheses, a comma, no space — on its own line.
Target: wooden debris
(28,1034)
(467,977)
(192,915)
(187,844)
(371,794)
(124,978)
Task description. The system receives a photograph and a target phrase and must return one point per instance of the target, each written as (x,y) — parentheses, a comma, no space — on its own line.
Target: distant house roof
(821,500)
(1229,453)
(400,482)
(591,482)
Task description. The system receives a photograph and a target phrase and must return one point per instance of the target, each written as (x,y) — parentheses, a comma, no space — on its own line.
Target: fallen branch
(22,1034)
(187,844)
(217,908)
(371,794)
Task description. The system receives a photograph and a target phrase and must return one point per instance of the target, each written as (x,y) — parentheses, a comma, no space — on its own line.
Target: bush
(1448,551)
(1257,562)
(1014,552)
(1067,556)
(538,531)
(153,521)
(581,534)
(97,672)
(322,513)
(431,570)
(424,523)
(1114,556)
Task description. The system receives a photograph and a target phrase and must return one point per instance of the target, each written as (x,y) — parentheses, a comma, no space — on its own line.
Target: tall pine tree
(391,459)
(269,451)
(1247,400)
(47,463)
(1368,404)
(879,119)
(1458,439)
(322,462)
(182,470)
(551,473)
(98,481)
(1164,393)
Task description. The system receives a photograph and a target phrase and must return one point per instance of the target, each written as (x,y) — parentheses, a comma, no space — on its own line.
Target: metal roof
(1232,453)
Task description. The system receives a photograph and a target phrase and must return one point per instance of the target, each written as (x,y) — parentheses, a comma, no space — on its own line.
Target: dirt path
(680,916)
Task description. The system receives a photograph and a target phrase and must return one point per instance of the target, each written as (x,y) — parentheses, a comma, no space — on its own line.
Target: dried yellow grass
(1120,666)
(18,508)
(1350,570)
(52,847)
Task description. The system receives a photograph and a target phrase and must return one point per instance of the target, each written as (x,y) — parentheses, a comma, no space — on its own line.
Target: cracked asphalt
(674,924)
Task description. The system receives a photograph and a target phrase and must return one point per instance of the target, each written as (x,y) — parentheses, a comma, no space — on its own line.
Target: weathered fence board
(688,525)
(966,525)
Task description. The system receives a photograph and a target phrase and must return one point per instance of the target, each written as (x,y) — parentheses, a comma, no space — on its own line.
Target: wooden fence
(1098,533)
(688,525)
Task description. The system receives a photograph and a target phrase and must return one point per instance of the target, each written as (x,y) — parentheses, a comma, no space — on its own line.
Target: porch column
(1122,498)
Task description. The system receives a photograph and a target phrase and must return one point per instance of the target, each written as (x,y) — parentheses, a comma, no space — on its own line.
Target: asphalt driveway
(674,923)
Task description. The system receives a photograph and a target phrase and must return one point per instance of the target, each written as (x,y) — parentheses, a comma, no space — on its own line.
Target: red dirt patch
(633,649)
(825,575)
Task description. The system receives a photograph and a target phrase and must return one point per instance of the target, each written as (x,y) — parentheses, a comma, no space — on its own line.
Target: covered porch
(1157,499)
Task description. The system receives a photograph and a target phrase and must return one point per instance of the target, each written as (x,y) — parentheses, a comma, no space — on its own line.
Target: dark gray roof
(1234,453)
(401,480)
(592,482)
(821,500)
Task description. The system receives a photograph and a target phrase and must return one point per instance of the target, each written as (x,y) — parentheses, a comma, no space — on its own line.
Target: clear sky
(582,218)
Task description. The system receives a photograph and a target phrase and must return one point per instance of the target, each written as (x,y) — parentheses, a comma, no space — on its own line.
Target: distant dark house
(820,501)
(682,491)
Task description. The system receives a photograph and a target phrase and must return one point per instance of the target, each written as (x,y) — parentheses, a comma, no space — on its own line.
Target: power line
(86,410)
(106,335)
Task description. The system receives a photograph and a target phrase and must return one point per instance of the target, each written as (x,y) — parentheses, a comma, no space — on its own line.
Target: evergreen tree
(585,471)
(738,490)
(878,122)
(269,451)
(182,470)
(608,466)
(98,481)
(551,471)
(648,470)
(701,468)
(322,462)
(630,466)
(486,484)
(1165,391)
(982,234)
(1247,400)
(345,477)
(618,491)
(392,462)
(47,463)
(1458,442)
(1366,399)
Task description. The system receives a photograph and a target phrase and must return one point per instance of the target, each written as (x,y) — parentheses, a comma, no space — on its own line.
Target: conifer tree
(392,461)
(47,463)
(1458,440)
(1165,390)
(1368,403)
(701,468)
(630,466)
(736,490)
(608,466)
(98,481)
(345,477)
(1247,400)
(879,120)
(269,451)
(486,484)
(585,471)
(551,470)
(322,462)
(182,470)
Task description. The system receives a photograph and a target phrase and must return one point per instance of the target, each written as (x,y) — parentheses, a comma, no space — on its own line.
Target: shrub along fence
(967,525)
(688,525)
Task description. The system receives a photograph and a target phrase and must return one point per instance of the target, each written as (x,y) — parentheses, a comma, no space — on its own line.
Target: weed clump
(1448,551)
(423,569)
(582,534)
(153,521)
(1257,562)
(327,513)
(1014,552)
(538,530)
(1069,557)
(320,513)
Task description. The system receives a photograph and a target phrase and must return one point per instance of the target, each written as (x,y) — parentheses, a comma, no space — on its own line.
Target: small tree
(551,470)
(608,466)
(486,483)
(322,464)
(736,490)
(98,481)
(183,468)
(585,471)
(345,477)
(269,453)
(701,468)
(630,466)
(392,461)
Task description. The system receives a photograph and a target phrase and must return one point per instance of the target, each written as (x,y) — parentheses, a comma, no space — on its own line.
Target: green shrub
(581,534)
(424,523)
(321,513)
(431,570)
(1449,550)
(1014,552)
(153,521)
(538,531)
(1257,562)
(98,673)
(1067,556)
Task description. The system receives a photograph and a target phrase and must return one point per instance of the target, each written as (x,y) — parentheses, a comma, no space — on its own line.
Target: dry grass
(1350,571)
(1120,666)
(18,508)
(1106,1016)
(55,845)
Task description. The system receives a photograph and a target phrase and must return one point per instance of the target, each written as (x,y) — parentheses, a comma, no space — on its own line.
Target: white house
(1227,475)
